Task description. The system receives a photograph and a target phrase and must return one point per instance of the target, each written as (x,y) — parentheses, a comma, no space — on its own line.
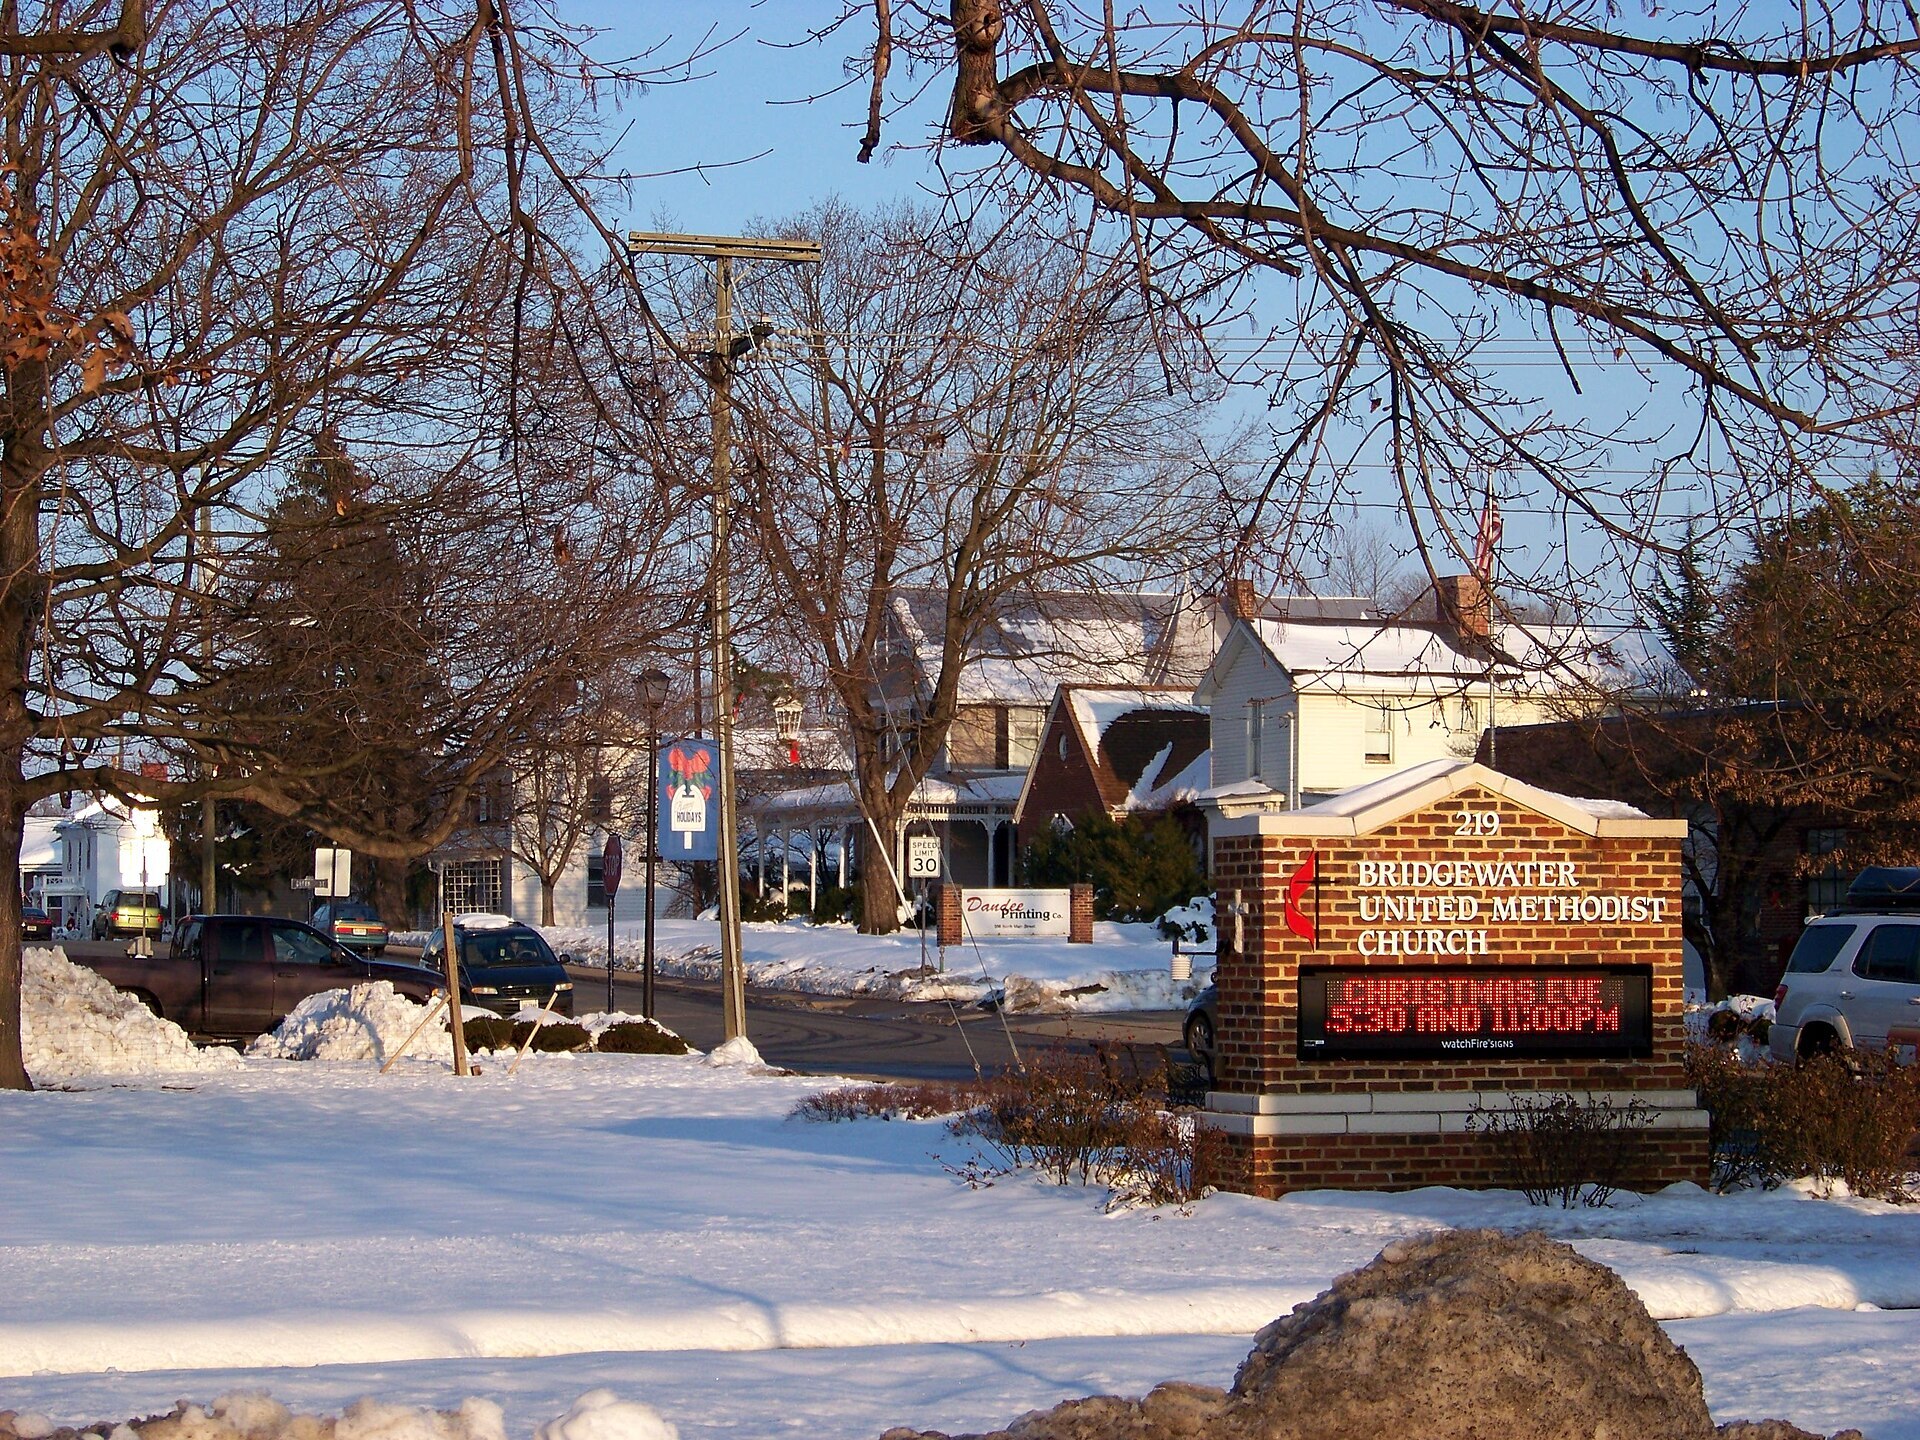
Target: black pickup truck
(238,975)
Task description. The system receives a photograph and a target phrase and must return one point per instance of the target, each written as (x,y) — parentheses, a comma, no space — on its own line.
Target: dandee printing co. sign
(1004,913)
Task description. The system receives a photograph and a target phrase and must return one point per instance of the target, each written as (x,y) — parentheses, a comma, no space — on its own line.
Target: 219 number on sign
(1479,822)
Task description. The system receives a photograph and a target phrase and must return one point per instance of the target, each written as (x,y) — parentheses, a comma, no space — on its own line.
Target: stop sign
(610,859)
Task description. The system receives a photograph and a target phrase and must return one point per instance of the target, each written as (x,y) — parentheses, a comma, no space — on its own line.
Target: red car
(35,924)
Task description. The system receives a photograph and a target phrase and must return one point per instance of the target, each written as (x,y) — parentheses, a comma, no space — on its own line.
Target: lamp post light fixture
(653,694)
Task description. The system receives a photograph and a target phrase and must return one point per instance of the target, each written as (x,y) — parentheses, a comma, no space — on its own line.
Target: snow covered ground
(1127,967)
(659,1226)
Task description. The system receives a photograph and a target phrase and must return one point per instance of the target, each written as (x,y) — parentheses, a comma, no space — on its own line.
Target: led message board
(1461,1013)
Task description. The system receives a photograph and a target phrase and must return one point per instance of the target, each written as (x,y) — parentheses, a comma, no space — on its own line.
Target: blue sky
(789,155)
(748,143)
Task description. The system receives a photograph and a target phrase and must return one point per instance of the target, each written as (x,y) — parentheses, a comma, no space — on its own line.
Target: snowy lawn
(1127,967)
(659,1225)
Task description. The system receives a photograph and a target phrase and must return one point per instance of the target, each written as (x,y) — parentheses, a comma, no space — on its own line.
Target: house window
(596,880)
(1269,748)
(973,741)
(1469,716)
(1379,735)
(600,800)
(474,885)
(1024,726)
(1826,885)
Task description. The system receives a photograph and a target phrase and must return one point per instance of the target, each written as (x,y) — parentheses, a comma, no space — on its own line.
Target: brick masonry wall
(948,920)
(1257,1043)
(1080,915)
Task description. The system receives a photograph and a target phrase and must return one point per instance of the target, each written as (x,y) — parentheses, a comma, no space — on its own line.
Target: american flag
(1488,541)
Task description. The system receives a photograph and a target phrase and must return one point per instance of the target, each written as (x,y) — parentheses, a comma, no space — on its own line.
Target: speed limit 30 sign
(923,857)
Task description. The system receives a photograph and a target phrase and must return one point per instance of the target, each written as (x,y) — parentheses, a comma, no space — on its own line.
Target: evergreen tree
(1140,867)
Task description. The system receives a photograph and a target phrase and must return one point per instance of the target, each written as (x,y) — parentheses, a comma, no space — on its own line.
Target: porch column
(846,840)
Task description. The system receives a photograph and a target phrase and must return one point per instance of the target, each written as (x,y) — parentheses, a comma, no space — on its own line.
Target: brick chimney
(1241,600)
(1462,604)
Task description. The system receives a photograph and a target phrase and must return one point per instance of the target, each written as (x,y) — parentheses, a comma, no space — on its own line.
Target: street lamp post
(653,694)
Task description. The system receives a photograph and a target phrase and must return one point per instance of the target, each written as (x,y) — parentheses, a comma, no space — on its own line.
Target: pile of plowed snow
(75,1024)
(255,1415)
(369,1021)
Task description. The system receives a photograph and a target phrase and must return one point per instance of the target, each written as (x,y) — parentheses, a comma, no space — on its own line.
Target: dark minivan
(505,965)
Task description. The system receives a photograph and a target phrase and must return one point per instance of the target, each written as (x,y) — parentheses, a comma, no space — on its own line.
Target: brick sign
(1440,944)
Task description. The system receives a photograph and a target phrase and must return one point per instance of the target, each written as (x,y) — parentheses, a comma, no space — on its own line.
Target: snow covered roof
(1095,708)
(1367,808)
(1045,640)
(1380,657)
(39,843)
(1146,746)
(987,791)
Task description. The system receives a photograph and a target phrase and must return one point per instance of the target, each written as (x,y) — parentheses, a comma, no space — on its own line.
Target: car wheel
(149,1000)
(1818,1040)
(1199,1036)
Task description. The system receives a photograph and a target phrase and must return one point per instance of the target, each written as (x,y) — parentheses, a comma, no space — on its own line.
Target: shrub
(1849,1116)
(555,1036)
(638,1037)
(1168,1160)
(833,904)
(1066,1115)
(1556,1146)
(918,1101)
(1072,1116)
(492,1033)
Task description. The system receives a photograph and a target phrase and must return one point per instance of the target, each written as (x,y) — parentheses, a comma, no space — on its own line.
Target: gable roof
(1397,657)
(1370,807)
(1043,639)
(1145,744)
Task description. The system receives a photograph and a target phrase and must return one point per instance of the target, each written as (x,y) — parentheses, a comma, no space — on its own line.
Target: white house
(1303,707)
(105,845)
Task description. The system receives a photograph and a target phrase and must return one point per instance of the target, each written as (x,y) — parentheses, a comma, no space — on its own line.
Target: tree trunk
(390,891)
(546,899)
(22,462)
(13,1067)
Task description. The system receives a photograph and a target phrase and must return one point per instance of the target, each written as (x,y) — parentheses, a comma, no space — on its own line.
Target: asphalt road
(879,1039)
(831,1035)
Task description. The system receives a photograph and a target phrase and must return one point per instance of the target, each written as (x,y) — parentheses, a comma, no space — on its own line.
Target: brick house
(1115,749)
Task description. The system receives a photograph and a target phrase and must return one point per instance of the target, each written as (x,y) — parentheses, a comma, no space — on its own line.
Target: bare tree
(1716,199)
(259,225)
(981,416)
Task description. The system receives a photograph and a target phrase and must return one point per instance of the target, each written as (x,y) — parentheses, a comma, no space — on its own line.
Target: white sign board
(332,873)
(1007,913)
(923,857)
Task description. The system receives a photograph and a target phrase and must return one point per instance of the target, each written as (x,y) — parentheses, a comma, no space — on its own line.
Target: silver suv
(1854,977)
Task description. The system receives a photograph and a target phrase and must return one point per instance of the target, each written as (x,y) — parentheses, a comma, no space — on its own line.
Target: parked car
(233,976)
(505,964)
(354,923)
(128,912)
(1854,977)
(35,923)
(1202,1025)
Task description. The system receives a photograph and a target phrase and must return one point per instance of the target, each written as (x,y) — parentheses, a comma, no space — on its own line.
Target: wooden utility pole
(723,250)
(209,817)
(455,1018)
